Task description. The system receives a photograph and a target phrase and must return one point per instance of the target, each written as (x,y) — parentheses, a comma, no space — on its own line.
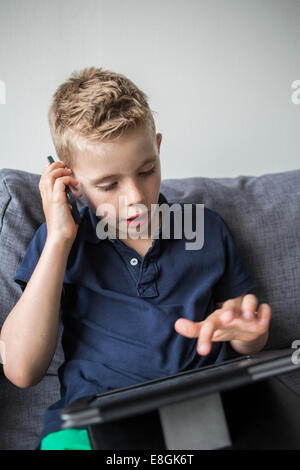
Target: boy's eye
(107,188)
(111,186)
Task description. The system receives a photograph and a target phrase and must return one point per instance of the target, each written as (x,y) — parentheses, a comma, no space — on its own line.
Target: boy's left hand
(238,320)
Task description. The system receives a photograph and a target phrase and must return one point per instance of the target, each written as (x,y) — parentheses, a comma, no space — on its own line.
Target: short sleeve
(236,279)
(31,258)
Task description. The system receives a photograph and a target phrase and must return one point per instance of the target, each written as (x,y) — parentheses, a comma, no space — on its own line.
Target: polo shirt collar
(90,220)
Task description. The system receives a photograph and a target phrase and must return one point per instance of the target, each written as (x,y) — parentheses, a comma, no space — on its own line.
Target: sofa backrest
(263,214)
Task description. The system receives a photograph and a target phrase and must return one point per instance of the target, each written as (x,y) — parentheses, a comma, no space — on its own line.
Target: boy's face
(128,167)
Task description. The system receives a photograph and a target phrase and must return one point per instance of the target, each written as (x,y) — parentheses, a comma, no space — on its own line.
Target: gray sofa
(263,214)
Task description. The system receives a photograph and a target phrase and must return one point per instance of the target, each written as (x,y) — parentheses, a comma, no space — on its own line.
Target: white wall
(218,73)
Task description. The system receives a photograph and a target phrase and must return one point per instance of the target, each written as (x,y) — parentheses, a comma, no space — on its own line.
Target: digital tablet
(153,394)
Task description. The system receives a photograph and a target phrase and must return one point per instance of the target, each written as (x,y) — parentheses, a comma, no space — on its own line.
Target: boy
(133,309)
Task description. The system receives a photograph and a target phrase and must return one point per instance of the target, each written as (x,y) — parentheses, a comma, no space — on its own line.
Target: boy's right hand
(60,222)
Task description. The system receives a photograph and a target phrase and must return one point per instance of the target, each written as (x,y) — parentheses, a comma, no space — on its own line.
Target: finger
(59,172)
(224,320)
(56,173)
(264,314)
(53,165)
(227,316)
(49,170)
(206,333)
(249,306)
(50,178)
(229,311)
(187,328)
(60,183)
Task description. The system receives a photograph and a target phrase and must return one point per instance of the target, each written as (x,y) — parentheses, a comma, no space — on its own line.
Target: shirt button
(133,261)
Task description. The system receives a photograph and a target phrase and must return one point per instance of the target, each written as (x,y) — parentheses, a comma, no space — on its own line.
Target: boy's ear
(158,140)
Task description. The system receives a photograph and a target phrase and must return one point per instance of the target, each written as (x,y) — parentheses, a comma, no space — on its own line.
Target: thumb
(187,328)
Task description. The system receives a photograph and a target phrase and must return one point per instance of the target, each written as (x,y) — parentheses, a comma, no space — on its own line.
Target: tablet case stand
(195,424)
(192,424)
(180,412)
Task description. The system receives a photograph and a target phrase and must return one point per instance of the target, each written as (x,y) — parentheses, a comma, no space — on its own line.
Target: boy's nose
(134,197)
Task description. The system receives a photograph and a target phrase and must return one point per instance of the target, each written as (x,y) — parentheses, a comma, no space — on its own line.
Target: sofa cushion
(21,415)
(263,214)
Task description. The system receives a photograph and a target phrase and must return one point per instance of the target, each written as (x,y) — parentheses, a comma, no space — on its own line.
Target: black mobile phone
(71,198)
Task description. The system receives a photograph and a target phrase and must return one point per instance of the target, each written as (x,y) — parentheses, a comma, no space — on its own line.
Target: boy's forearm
(253,347)
(30,331)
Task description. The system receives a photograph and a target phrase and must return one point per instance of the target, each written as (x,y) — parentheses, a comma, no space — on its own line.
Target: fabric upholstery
(263,214)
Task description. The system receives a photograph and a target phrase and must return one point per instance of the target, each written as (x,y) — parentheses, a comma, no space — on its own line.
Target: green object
(67,439)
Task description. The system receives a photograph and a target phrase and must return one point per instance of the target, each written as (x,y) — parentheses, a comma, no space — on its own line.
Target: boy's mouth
(137,219)
(137,216)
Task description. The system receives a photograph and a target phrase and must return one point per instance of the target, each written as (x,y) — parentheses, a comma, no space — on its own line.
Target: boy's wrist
(250,347)
(59,243)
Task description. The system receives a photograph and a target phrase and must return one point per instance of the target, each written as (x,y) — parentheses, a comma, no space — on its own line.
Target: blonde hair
(95,105)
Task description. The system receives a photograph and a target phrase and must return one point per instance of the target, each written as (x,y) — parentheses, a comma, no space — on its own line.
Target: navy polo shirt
(118,309)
